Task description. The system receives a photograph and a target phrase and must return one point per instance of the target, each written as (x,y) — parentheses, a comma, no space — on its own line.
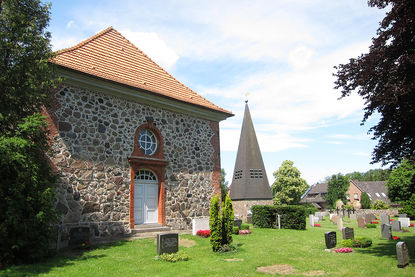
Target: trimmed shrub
(263,216)
(244,226)
(294,217)
(227,221)
(173,257)
(215,224)
(235,230)
(371,225)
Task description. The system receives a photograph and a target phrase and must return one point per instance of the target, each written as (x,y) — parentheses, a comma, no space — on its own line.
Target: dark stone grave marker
(331,239)
(78,236)
(167,243)
(237,222)
(402,254)
(348,233)
(386,231)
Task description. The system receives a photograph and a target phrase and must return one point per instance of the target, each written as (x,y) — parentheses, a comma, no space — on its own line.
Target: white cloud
(69,24)
(154,47)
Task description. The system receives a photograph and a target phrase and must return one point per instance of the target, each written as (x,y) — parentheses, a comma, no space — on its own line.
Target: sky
(277,54)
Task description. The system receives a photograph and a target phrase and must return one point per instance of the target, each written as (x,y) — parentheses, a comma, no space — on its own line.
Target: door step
(147,228)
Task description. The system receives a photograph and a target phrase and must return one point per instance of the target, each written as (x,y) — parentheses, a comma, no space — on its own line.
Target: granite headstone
(402,254)
(405,221)
(361,223)
(331,239)
(396,226)
(386,231)
(167,243)
(348,233)
(385,219)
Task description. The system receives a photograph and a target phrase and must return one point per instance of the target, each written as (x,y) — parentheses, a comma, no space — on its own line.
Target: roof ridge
(82,43)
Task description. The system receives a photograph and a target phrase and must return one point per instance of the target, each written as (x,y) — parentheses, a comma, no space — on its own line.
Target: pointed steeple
(250,180)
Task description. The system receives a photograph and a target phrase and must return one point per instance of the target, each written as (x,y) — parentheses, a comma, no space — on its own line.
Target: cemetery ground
(290,252)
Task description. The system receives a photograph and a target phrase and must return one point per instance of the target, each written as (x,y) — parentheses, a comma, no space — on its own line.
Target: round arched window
(147,142)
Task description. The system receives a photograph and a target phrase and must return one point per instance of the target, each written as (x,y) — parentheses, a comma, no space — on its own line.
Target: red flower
(375,222)
(244,232)
(411,225)
(203,233)
(396,238)
(317,225)
(392,219)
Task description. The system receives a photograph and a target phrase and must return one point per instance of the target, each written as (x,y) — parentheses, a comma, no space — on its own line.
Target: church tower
(249,183)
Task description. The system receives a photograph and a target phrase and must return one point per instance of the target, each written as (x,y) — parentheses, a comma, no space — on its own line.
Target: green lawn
(303,250)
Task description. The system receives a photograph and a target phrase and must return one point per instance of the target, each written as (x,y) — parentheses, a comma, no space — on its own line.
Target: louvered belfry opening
(249,180)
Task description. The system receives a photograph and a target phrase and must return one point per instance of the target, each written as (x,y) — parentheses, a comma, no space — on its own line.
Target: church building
(133,145)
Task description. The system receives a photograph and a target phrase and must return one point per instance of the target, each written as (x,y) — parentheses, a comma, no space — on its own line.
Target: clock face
(147,142)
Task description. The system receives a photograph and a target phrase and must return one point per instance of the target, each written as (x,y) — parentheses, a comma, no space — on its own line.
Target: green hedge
(293,217)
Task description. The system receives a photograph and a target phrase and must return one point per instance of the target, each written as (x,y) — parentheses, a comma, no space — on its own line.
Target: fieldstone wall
(390,212)
(241,207)
(93,135)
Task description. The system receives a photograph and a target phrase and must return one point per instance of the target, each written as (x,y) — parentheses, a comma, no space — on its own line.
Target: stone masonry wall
(92,137)
(241,207)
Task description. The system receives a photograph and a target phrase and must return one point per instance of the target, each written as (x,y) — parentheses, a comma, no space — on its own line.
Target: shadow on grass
(65,258)
(388,248)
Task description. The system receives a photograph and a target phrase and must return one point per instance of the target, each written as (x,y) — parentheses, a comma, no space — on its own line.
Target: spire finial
(246,97)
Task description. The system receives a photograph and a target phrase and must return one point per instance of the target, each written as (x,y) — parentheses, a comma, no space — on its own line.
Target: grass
(303,250)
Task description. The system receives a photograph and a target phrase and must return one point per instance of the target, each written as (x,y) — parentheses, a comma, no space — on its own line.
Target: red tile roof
(110,56)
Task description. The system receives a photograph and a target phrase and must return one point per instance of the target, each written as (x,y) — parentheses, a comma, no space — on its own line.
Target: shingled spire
(250,180)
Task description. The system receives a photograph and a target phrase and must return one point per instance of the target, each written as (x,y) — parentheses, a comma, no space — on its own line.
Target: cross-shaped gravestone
(348,233)
(402,254)
(331,239)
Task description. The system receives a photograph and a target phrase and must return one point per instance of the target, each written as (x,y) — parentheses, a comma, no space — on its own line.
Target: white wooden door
(145,198)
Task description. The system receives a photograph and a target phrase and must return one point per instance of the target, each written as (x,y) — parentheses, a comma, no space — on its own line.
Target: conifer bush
(227,221)
(215,224)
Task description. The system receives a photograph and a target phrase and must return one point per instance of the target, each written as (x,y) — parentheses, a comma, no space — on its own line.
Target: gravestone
(237,222)
(311,217)
(167,243)
(334,219)
(369,218)
(385,219)
(402,254)
(340,223)
(330,216)
(353,216)
(199,224)
(386,231)
(78,236)
(361,223)
(405,221)
(396,226)
(331,239)
(348,233)
(402,215)
(279,221)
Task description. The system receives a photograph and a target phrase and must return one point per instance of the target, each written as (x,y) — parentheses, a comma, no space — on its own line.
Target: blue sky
(281,52)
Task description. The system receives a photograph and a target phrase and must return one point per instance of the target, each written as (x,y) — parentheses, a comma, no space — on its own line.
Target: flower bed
(203,233)
(375,222)
(244,232)
(317,225)
(396,238)
(343,250)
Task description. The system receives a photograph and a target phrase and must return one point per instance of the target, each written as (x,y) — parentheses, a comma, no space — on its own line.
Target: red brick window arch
(148,141)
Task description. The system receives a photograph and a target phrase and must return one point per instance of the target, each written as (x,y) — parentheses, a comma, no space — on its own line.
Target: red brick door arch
(156,163)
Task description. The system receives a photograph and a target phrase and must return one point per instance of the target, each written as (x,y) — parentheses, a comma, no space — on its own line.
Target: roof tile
(110,56)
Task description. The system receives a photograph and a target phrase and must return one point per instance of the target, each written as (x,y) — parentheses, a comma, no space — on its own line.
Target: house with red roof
(134,147)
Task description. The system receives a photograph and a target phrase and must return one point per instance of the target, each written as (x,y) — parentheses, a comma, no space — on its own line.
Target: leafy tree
(26,180)
(223,185)
(380,205)
(371,175)
(401,183)
(384,78)
(215,224)
(408,207)
(337,187)
(365,201)
(288,186)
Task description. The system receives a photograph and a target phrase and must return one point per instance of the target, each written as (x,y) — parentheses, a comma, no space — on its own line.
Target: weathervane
(246,97)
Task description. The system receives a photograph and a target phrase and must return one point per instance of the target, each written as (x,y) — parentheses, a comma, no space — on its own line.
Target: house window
(145,175)
(255,173)
(348,196)
(147,142)
(356,196)
(238,174)
(377,194)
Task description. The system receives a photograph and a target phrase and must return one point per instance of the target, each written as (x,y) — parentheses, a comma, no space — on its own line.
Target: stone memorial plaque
(386,231)
(331,239)
(396,226)
(167,243)
(402,254)
(237,222)
(199,224)
(385,219)
(348,233)
(361,223)
(405,221)
(78,236)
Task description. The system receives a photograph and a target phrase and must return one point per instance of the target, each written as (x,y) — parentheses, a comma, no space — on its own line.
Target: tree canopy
(401,183)
(288,186)
(26,179)
(371,175)
(385,79)
(337,187)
